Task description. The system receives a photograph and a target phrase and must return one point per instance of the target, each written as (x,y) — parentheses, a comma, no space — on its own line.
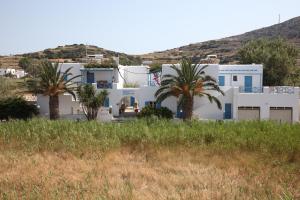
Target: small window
(234,78)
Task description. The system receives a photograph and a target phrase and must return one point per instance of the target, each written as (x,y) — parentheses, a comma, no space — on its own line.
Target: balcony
(282,90)
(153,83)
(251,89)
(104,85)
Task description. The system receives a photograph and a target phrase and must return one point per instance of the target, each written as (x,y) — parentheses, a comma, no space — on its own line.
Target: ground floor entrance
(248,113)
(281,114)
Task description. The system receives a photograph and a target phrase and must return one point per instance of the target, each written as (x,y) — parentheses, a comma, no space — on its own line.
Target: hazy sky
(132,26)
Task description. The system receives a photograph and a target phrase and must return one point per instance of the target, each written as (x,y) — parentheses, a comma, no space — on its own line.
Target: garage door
(248,113)
(281,114)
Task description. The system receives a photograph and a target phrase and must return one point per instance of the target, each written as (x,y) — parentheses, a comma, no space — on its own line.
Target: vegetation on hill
(76,52)
(227,48)
(277,56)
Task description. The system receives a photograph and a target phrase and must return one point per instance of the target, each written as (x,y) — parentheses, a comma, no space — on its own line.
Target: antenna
(86,51)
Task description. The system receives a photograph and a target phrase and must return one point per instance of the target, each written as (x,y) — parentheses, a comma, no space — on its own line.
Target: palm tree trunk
(54,107)
(188,108)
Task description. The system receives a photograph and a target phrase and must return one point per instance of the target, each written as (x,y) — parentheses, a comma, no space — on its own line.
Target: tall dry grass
(149,159)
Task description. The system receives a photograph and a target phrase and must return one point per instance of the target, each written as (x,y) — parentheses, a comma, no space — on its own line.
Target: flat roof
(96,69)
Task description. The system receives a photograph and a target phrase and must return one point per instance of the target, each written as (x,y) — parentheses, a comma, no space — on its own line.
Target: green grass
(39,134)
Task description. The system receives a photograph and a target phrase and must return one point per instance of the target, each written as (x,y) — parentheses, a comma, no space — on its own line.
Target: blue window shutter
(65,77)
(90,77)
(132,100)
(106,102)
(248,84)
(228,111)
(147,103)
(221,80)
(158,104)
(179,113)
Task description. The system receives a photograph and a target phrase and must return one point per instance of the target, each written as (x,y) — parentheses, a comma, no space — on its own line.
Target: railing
(152,83)
(104,85)
(282,90)
(251,89)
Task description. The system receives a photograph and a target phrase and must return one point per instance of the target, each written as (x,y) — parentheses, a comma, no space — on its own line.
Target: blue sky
(131,26)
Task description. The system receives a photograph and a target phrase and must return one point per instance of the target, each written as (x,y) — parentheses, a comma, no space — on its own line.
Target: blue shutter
(106,102)
(228,111)
(221,80)
(90,77)
(248,83)
(158,104)
(65,77)
(132,100)
(179,113)
(147,103)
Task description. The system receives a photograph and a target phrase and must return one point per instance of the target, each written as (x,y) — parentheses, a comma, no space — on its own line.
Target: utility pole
(279,20)
(86,51)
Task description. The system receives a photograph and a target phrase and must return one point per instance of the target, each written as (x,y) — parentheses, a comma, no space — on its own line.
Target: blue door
(158,105)
(221,80)
(65,77)
(179,113)
(106,102)
(248,83)
(90,77)
(228,109)
(132,101)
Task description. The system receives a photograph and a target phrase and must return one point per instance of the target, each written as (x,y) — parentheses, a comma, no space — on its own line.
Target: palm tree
(52,82)
(190,81)
(91,100)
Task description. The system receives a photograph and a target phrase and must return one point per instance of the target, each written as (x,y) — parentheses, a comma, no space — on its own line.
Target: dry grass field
(146,173)
(40,159)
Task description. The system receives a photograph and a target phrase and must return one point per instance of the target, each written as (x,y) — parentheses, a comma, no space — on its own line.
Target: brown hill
(227,48)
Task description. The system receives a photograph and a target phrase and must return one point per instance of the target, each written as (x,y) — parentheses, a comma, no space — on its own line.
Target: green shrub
(16,108)
(162,112)
(105,64)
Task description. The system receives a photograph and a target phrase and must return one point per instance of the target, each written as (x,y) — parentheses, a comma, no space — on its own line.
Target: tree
(16,108)
(277,56)
(91,100)
(294,77)
(31,65)
(190,81)
(7,87)
(51,82)
(25,62)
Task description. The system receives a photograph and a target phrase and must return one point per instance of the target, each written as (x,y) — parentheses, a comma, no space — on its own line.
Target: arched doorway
(128,106)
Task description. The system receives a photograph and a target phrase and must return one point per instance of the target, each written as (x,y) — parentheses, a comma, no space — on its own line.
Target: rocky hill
(227,48)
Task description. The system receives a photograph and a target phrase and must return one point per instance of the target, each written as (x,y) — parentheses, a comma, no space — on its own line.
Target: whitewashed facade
(245,97)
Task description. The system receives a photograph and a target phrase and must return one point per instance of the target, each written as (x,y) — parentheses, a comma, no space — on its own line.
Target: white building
(14,72)
(133,86)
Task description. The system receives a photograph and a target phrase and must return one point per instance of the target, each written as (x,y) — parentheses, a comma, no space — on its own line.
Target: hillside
(227,48)
(70,53)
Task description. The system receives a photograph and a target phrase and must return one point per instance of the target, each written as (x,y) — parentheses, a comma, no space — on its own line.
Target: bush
(16,108)
(162,112)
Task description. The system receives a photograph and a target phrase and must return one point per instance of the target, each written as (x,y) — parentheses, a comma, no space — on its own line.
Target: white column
(235,103)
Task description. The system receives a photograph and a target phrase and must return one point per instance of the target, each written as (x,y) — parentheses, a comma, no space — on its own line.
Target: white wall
(212,70)
(228,71)
(65,105)
(266,100)
(136,74)
(75,69)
